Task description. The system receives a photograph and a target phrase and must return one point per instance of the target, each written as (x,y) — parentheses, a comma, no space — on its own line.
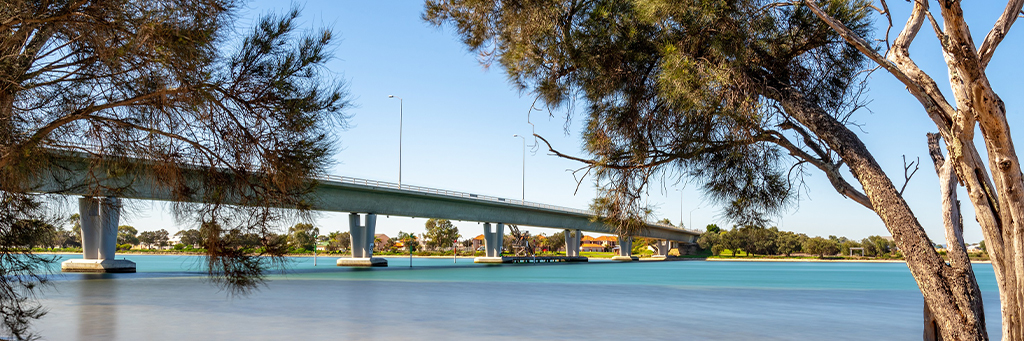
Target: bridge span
(364,199)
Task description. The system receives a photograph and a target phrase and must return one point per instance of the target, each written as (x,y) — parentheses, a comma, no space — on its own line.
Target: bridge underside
(336,196)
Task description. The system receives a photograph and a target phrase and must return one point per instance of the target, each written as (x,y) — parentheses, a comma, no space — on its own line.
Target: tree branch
(999,30)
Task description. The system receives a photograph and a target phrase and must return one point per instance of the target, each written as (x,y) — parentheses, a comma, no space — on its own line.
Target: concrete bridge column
(572,243)
(625,250)
(99,219)
(492,244)
(361,236)
(661,248)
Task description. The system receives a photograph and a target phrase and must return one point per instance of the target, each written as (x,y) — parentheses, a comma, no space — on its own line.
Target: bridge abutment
(361,236)
(492,244)
(98,219)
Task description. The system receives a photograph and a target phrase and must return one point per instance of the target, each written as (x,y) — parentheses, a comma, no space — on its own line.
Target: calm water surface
(685,300)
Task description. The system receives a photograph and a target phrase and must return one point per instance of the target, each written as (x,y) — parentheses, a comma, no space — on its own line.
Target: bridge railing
(445,192)
(420,189)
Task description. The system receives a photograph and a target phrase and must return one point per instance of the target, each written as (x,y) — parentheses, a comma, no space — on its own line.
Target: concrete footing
(98,265)
(625,258)
(491,260)
(372,261)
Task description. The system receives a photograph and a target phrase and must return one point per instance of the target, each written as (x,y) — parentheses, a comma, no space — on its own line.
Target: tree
(339,241)
(821,246)
(789,242)
(148,239)
(76,227)
(302,236)
(127,235)
(718,91)
(665,221)
(409,240)
(551,243)
(982,245)
(164,91)
(190,237)
(709,239)
(440,233)
(733,240)
(712,228)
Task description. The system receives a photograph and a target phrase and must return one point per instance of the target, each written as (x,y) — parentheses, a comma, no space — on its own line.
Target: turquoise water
(436,299)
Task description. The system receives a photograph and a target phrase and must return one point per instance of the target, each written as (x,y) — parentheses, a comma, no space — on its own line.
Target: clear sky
(459,119)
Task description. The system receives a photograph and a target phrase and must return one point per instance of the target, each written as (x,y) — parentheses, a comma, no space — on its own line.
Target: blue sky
(459,119)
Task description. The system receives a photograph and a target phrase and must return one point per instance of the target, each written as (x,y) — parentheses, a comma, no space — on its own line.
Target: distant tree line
(759,240)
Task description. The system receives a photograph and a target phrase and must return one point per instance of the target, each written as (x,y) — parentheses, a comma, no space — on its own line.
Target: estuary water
(168,299)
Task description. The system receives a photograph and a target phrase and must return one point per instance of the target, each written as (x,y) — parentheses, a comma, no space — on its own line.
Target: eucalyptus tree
(167,91)
(719,92)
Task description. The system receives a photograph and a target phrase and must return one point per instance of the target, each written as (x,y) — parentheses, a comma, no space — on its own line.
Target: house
(590,247)
(380,241)
(322,246)
(588,240)
(478,242)
(607,241)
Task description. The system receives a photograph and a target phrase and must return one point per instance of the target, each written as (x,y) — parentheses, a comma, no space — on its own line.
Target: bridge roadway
(371,197)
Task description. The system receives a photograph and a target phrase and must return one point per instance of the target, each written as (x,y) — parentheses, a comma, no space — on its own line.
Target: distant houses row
(588,243)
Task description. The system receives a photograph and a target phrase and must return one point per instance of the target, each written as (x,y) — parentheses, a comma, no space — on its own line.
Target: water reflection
(97,307)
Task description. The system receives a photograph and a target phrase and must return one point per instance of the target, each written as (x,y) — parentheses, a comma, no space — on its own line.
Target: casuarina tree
(169,94)
(741,96)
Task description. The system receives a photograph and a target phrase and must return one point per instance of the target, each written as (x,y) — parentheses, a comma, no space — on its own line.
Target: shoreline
(823,260)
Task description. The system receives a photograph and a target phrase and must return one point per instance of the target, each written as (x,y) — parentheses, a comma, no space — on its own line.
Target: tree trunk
(951,293)
(931,327)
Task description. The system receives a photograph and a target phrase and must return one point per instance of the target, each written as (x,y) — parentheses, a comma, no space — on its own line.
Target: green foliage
(440,233)
(191,237)
(717,249)
(552,242)
(339,241)
(789,242)
(712,228)
(982,246)
(302,237)
(409,240)
(821,246)
(127,235)
(709,239)
(158,238)
(672,87)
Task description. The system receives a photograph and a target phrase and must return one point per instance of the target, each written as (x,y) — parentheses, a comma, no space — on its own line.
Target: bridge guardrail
(420,189)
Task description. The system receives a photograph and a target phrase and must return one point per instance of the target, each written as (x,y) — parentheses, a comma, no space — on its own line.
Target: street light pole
(691,216)
(524,166)
(401,107)
(681,206)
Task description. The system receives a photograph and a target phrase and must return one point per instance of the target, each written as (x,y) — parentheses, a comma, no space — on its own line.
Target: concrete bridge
(364,199)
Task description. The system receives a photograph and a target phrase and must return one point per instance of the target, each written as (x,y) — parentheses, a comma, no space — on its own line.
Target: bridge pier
(661,249)
(99,220)
(625,250)
(493,241)
(572,243)
(572,246)
(362,242)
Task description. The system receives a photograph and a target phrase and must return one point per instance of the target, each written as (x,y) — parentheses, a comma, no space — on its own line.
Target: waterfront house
(380,241)
(607,241)
(478,242)
(590,247)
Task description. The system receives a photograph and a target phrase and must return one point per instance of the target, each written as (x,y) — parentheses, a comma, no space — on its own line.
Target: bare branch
(999,30)
(906,169)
